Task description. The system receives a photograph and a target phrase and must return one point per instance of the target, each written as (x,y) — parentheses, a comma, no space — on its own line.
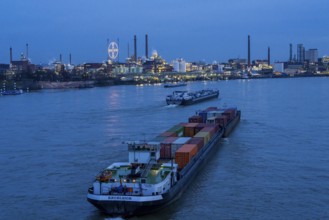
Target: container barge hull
(230,127)
(201,99)
(172,185)
(189,98)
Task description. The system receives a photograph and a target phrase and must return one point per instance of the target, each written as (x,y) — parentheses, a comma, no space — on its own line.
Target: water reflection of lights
(114,99)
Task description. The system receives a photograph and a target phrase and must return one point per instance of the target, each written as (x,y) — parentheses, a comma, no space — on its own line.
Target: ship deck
(156,174)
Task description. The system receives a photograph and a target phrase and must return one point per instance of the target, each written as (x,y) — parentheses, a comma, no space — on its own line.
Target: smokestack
(70,59)
(107,48)
(146,46)
(248,50)
(290,53)
(118,50)
(11,55)
(135,48)
(27,51)
(269,56)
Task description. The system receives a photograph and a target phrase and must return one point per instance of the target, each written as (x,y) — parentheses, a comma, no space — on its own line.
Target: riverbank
(29,85)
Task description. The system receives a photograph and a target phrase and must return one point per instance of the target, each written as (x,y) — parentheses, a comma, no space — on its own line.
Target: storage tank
(176,65)
(182,66)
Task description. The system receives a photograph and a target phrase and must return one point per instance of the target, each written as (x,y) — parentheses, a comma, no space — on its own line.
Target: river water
(275,165)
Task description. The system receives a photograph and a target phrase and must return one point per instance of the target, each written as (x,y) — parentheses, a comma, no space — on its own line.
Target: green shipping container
(205,135)
(178,129)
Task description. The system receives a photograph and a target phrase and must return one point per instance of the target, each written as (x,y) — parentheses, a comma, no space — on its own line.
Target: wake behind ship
(158,171)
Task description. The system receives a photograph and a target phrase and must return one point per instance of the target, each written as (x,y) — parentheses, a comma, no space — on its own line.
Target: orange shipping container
(185,154)
(189,129)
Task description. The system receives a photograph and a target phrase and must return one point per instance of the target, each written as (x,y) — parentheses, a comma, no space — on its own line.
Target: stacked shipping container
(195,119)
(185,154)
(184,140)
(189,129)
(198,141)
(177,129)
(165,147)
(178,143)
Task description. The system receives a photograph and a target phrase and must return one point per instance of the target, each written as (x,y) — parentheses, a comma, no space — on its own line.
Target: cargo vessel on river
(189,98)
(170,85)
(160,170)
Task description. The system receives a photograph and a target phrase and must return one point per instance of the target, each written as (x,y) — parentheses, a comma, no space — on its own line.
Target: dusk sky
(207,30)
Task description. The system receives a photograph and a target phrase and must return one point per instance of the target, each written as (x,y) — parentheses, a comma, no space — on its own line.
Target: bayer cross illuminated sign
(113,50)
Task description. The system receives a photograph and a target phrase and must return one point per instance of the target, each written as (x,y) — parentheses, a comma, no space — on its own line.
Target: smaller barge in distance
(189,98)
(170,85)
(160,170)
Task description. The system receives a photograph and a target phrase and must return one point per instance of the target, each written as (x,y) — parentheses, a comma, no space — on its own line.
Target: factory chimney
(146,46)
(135,48)
(11,55)
(27,51)
(290,53)
(70,59)
(269,56)
(248,50)
(107,48)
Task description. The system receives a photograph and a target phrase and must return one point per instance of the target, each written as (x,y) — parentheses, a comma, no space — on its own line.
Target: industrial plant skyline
(193,30)
(300,56)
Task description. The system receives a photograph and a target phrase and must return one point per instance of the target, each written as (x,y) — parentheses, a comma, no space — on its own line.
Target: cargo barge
(189,98)
(170,85)
(160,170)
